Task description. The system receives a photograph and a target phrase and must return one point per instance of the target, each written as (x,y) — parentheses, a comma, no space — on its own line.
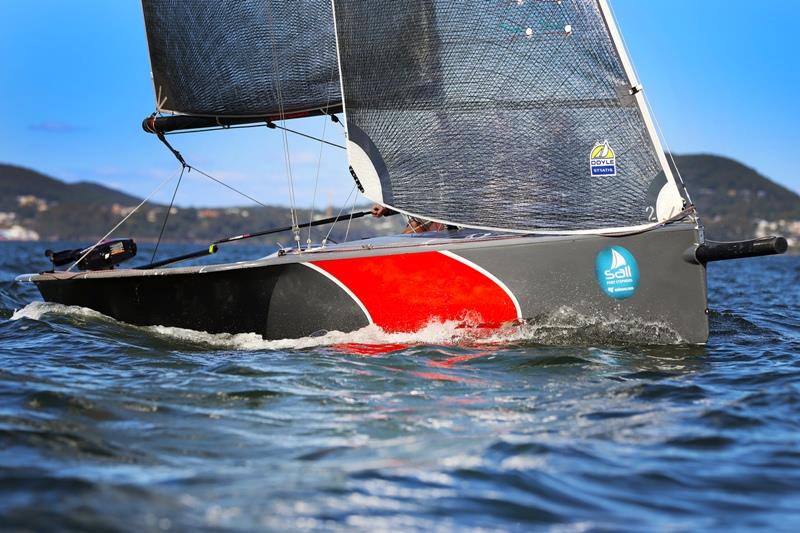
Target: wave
(564,327)
(39,310)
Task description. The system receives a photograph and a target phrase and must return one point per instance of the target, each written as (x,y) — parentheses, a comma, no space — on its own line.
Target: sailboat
(518,124)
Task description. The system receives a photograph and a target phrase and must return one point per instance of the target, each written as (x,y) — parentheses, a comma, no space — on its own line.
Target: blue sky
(721,75)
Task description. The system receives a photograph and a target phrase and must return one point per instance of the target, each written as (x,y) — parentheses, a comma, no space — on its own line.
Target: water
(109,426)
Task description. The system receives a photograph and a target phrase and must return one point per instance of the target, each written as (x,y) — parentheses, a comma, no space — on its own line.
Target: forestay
(512,114)
(242,58)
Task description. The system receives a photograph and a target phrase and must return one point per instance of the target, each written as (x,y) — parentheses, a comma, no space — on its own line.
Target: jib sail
(514,114)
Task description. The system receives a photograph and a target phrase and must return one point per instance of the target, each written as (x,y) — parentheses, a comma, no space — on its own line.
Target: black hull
(266,300)
(402,284)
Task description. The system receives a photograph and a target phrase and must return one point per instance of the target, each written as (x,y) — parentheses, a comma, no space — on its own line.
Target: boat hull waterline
(404,284)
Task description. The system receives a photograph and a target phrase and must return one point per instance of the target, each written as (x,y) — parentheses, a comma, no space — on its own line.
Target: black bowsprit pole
(723,251)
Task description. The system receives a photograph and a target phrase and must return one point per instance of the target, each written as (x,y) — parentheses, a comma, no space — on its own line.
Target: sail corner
(364,173)
(669,202)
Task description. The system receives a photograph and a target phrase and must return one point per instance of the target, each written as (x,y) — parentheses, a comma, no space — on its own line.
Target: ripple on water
(675,392)
(549,425)
(726,418)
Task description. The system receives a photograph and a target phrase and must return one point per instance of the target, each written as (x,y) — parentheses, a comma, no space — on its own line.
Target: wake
(562,328)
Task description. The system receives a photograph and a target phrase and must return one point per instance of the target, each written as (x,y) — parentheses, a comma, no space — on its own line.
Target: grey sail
(242,58)
(514,114)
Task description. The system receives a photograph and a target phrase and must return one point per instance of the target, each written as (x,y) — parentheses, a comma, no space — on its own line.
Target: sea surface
(107,426)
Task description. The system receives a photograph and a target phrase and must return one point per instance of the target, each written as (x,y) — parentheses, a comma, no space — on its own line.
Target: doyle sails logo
(603,160)
(617,272)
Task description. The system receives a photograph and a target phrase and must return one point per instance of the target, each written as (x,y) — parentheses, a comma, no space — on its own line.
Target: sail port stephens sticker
(603,160)
(617,272)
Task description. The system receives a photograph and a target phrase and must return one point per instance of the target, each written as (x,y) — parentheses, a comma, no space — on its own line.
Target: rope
(653,115)
(270,125)
(166,217)
(186,165)
(316,184)
(336,120)
(325,240)
(350,220)
(216,128)
(237,191)
(121,222)
(286,156)
(319,163)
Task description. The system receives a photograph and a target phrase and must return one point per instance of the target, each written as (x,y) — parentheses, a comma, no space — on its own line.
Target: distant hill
(36,206)
(19,181)
(734,202)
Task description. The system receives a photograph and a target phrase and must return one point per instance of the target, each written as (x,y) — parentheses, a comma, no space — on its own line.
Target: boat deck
(462,239)
(392,244)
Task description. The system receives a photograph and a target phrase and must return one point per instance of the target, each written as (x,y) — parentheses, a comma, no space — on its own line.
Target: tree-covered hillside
(734,202)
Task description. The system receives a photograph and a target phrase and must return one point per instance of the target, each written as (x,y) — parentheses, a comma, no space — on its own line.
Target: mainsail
(511,114)
(242,58)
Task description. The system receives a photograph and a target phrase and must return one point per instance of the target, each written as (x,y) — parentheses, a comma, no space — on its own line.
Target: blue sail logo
(617,272)
(603,160)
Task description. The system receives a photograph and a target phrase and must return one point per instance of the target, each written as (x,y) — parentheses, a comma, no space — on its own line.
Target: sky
(722,76)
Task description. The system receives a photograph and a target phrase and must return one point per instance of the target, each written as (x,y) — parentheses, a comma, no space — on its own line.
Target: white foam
(563,327)
(434,333)
(37,310)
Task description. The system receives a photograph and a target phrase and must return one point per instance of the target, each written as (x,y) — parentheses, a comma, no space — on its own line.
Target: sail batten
(514,115)
(243,58)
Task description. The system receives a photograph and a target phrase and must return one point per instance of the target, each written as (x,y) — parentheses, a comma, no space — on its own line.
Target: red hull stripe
(406,292)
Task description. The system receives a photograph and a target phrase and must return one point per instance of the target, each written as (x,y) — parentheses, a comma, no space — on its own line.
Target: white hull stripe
(341,285)
(489,275)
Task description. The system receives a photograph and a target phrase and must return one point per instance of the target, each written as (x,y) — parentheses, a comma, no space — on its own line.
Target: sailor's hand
(380,211)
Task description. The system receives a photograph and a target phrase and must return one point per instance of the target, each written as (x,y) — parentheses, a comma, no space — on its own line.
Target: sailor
(415,225)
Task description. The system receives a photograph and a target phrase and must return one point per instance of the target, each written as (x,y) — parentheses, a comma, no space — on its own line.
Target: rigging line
(288,164)
(319,161)
(121,222)
(350,220)
(279,95)
(415,228)
(166,217)
(175,153)
(270,125)
(237,191)
(215,128)
(316,183)
(318,222)
(652,114)
(301,134)
(338,215)
(186,165)
(669,150)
